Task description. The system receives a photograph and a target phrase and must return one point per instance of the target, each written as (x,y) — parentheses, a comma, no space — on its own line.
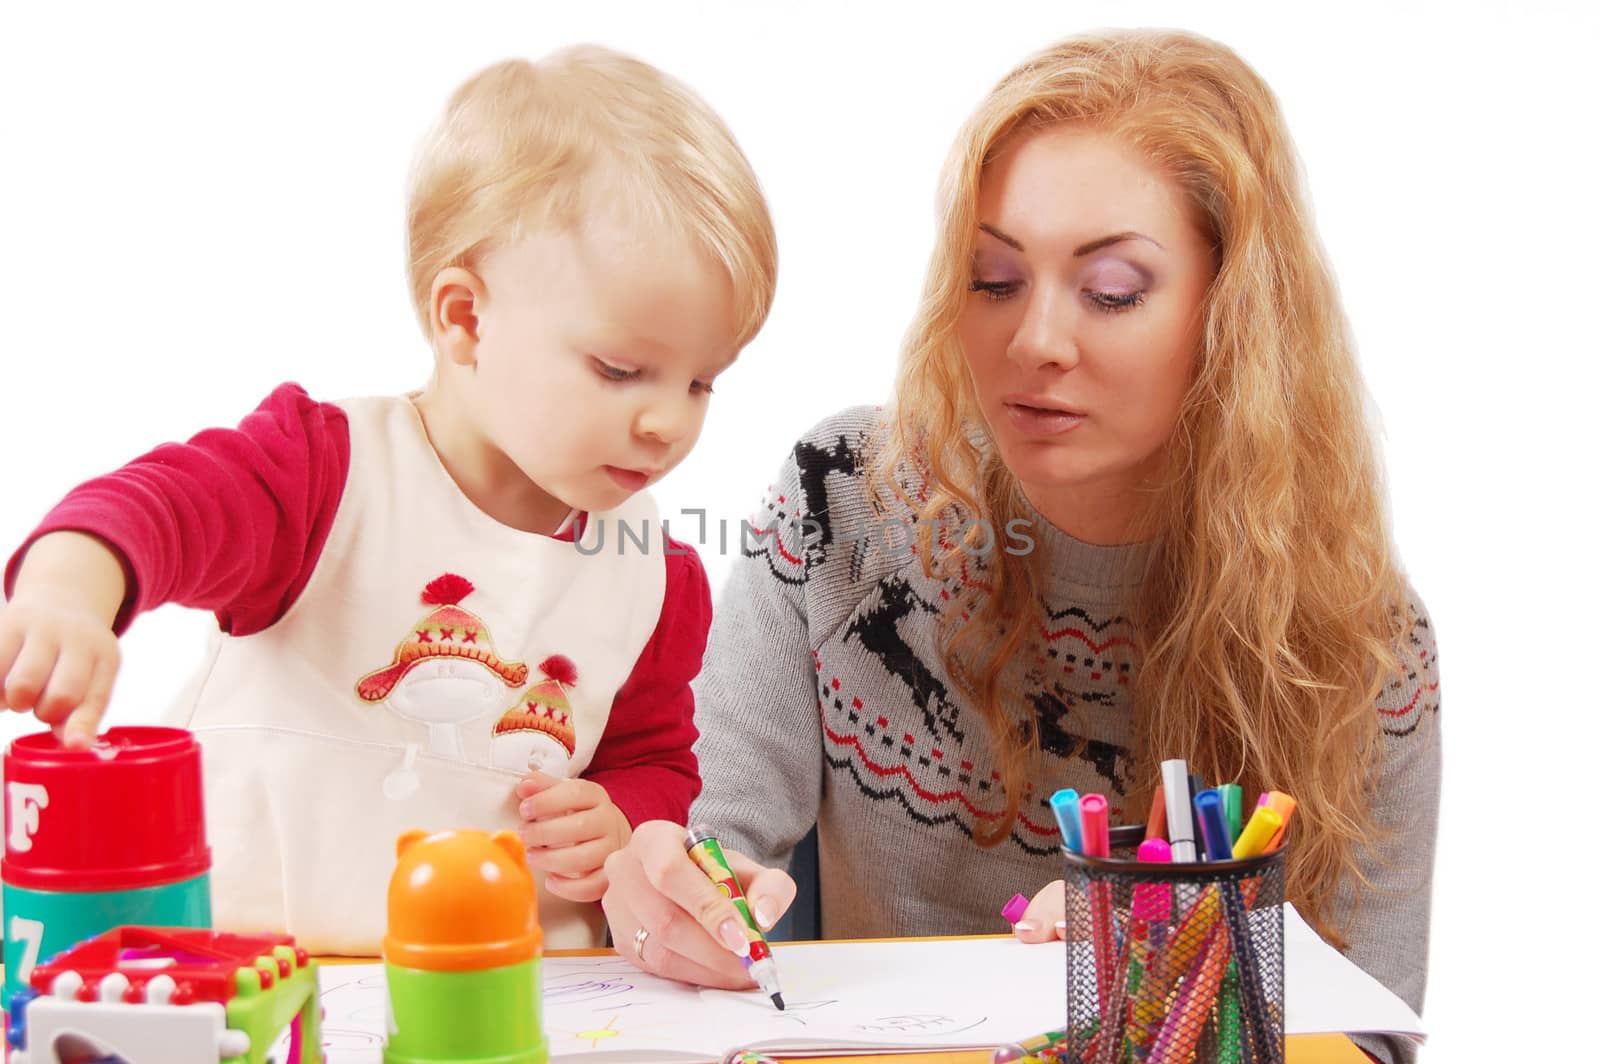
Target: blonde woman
(1124,507)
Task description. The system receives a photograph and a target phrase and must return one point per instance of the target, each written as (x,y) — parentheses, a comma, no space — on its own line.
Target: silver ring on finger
(639,938)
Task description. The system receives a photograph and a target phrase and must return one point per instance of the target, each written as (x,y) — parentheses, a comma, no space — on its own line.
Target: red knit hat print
(544,707)
(447,632)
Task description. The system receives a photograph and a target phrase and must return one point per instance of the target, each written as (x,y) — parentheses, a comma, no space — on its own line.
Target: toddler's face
(597,346)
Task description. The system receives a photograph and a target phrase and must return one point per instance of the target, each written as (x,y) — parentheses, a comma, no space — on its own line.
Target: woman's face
(1083,321)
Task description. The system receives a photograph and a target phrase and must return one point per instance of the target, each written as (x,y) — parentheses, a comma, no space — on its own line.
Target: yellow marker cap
(1257,835)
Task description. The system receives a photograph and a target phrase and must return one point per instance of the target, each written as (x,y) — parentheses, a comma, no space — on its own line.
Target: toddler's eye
(613,373)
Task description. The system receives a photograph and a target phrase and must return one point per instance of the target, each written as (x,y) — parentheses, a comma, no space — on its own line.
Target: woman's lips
(1038,420)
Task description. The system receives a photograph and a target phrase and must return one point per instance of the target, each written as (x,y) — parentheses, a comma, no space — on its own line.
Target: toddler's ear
(456,296)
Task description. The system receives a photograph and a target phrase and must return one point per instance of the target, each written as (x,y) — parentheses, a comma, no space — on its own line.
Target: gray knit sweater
(824,701)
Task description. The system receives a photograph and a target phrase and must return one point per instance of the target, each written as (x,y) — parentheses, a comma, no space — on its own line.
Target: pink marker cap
(1153,901)
(1015,908)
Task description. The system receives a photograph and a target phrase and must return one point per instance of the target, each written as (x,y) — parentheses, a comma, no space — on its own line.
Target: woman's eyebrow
(1091,246)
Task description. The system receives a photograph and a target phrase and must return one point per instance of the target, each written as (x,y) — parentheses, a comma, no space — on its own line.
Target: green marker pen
(1228,1033)
(1233,808)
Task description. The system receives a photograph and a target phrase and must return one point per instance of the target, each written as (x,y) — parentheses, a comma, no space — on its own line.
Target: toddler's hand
(58,654)
(58,659)
(570,827)
(1044,919)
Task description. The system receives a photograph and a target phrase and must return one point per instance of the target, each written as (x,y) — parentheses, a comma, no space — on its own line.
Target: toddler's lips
(629,479)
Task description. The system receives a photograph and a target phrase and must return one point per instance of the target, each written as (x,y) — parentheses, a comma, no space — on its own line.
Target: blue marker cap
(1064,803)
(1210,810)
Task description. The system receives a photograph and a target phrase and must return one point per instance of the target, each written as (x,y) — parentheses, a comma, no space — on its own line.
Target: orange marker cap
(1283,805)
(1155,825)
(461,901)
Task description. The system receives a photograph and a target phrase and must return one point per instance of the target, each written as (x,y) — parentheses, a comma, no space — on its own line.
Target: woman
(1130,379)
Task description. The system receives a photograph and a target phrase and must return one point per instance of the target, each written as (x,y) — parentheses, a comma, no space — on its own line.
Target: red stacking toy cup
(99,838)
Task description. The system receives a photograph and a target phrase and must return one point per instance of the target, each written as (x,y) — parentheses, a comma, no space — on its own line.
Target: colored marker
(1213,825)
(1155,825)
(1283,805)
(1097,843)
(1214,828)
(1264,824)
(1064,804)
(1181,1031)
(1180,820)
(1159,895)
(1152,907)
(1228,1032)
(1015,908)
(1096,826)
(706,851)
(1253,1003)
(1029,1047)
(1233,803)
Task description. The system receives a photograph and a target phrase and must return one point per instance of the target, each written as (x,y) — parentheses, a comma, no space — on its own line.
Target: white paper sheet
(1324,992)
(942,994)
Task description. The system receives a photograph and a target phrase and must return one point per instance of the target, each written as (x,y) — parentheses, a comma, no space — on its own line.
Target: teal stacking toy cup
(99,838)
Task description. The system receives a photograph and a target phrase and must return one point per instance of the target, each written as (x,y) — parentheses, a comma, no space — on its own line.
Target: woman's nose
(1047,334)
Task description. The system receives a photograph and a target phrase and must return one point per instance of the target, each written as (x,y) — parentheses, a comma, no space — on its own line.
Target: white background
(197,206)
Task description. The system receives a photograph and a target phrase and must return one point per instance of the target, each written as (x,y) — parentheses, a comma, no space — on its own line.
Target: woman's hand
(1045,918)
(670,920)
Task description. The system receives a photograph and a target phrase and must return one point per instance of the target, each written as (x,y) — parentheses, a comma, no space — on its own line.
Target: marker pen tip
(777,999)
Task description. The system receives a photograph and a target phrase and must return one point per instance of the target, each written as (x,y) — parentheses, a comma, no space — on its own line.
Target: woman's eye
(701,387)
(996,290)
(1115,302)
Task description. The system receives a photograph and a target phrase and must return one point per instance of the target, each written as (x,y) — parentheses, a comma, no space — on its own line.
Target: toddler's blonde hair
(524,146)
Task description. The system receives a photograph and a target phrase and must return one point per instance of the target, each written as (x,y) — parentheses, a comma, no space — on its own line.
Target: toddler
(428,612)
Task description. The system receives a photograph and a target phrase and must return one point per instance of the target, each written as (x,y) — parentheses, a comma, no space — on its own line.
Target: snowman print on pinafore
(444,674)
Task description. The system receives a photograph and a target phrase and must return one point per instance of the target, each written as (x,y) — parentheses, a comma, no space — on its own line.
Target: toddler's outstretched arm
(58,654)
(233,521)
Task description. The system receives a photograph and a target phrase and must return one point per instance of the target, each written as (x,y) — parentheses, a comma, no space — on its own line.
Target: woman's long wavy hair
(1269,612)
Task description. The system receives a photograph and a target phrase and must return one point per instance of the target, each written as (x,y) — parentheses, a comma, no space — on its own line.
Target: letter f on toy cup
(24,801)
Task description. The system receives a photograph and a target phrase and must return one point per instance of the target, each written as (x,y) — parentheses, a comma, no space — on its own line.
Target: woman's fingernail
(1061,925)
(734,938)
(764,915)
(1025,925)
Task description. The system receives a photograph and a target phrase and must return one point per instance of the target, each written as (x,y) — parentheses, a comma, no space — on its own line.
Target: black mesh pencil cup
(1174,963)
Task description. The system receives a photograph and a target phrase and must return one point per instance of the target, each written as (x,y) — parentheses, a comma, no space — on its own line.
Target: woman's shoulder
(819,520)
(1411,697)
(827,465)
(847,431)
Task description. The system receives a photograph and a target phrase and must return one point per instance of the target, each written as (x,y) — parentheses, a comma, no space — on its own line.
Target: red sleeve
(232,521)
(645,760)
